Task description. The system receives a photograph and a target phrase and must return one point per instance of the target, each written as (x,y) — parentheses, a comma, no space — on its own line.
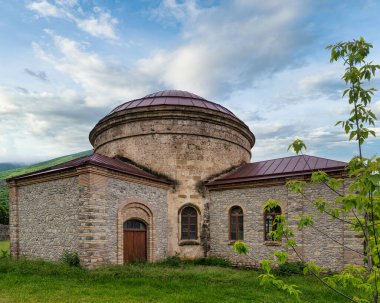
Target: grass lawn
(4,245)
(38,281)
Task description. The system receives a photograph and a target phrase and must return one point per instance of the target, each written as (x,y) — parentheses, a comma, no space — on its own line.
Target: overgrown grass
(4,245)
(38,281)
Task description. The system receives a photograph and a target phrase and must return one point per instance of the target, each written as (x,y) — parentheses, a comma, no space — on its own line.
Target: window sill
(272,243)
(189,242)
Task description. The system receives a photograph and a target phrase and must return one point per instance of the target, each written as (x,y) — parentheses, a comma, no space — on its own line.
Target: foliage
(39,281)
(4,209)
(212,261)
(358,206)
(70,258)
(290,268)
(176,261)
(240,247)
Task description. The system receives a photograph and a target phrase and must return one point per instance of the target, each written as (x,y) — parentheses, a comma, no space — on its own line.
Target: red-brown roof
(279,168)
(171,97)
(97,160)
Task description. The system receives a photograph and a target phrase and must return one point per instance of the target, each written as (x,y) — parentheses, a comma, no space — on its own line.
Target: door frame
(138,211)
(145,231)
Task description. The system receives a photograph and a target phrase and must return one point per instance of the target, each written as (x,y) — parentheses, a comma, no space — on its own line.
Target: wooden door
(135,241)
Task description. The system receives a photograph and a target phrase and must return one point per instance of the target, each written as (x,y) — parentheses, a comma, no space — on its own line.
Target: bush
(291,268)
(212,261)
(174,261)
(70,258)
(4,254)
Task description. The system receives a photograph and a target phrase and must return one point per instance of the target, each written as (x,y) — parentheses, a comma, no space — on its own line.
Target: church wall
(188,144)
(48,218)
(123,193)
(104,202)
(316,243)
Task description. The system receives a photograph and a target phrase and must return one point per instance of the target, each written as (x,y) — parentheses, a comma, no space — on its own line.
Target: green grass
(38,281)
(4,245)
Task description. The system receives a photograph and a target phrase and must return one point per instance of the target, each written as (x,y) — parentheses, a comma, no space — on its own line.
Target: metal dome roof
(172,97)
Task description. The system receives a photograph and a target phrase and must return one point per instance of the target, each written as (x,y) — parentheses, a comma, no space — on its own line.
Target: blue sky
(66,63)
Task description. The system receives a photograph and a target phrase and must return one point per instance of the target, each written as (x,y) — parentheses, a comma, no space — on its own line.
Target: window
(269,221)
(189,223)
(134,225)
(236,224)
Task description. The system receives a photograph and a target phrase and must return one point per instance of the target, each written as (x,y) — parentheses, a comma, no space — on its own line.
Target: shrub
(291,268)
(4,254)
(213,261)
(70,258)
(174,261)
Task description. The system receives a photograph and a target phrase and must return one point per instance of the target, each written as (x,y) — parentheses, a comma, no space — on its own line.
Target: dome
(172,98)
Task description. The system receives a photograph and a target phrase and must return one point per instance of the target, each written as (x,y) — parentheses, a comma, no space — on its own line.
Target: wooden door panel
(134,245)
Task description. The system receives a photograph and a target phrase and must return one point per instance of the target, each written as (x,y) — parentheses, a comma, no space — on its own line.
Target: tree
(359,207)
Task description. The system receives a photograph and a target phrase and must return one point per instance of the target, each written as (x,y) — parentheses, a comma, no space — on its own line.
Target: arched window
(236,223)
(269,222)
(189,223)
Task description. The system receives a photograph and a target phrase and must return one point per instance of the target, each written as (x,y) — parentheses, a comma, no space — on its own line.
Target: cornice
(82,170)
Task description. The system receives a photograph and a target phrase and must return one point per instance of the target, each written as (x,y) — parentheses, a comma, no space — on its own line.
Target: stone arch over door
(136,210)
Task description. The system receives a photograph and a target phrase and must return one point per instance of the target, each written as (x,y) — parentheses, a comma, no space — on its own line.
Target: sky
(64,64)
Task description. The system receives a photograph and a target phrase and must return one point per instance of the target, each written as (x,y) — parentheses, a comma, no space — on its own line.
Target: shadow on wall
(4,232)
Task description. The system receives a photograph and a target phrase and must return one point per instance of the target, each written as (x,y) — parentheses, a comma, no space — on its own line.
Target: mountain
(31,168)
(8,166)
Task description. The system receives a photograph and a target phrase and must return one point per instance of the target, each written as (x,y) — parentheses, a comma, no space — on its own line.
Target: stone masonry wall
(48,218)
(318,243)
(102,199)
(4,232)
(186,144)
(122,193)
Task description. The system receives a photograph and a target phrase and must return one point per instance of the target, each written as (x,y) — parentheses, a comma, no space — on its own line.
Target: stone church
(171,173)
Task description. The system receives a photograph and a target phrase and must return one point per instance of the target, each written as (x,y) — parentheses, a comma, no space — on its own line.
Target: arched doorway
(135,241)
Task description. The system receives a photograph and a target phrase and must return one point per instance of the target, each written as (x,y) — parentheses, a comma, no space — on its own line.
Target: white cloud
(103,83)
(44,9)
(376,109)
(101,26)
(229,47)
(43,125)
(98,24)
(179,11)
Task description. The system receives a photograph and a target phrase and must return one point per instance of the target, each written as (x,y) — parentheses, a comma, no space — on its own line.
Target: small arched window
(189,223)
(269,222)
(236,224)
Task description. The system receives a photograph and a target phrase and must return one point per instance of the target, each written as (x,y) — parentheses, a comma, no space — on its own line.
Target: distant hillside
(31,168)
(8,166)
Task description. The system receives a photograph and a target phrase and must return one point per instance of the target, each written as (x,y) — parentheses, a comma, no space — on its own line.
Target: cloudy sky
(64,64)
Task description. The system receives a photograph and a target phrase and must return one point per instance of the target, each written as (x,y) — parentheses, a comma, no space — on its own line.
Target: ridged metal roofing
(279,168)
(171,97)
(97,160)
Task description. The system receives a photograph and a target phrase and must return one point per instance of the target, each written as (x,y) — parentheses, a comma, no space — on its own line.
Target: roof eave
(249,179)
